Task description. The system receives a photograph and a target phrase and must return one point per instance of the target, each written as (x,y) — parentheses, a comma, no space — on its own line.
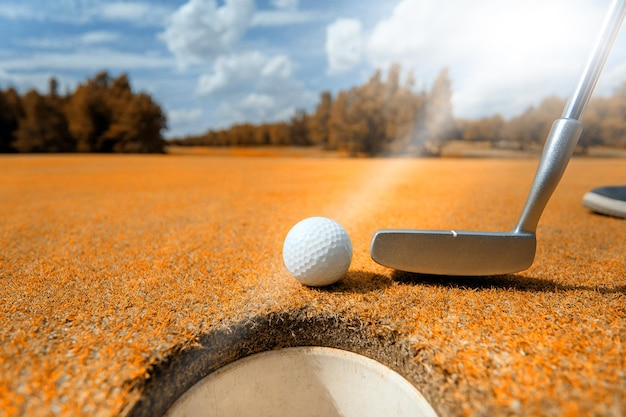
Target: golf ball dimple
(317,251)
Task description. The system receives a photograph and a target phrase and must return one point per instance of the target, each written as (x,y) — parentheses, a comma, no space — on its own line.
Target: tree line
(381,117)
(392,117)
(103,114)
(387,116)
(604,124)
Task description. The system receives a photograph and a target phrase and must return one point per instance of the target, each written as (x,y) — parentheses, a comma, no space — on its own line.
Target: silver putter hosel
(557,151)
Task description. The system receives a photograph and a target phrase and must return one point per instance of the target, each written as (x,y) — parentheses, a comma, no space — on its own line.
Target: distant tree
(53,87)
(404,110)
(436,123)
(392,85)
(90,116)
(43,126)
(138,127)
(262,134)
(319,129)
(593,120)
(11,111)
(605,121)
(614,127)
(491,129)
(279,134)
(240,135)
(367,117)
(338,124)
(299,129)
(105,115)
(119,88)
(531,128)
(392,103)
(125,122)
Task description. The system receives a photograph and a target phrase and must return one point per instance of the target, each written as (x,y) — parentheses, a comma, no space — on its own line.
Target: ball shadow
(359,282)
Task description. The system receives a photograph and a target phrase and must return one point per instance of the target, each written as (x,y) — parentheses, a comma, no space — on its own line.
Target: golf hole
(304,382)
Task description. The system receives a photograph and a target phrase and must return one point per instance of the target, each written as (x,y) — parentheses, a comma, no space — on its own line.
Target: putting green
(121,273)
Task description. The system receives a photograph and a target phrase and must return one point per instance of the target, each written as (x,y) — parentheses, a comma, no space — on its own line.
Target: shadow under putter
(450,252)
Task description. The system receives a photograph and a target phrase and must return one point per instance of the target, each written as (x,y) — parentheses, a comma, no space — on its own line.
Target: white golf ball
(317,251)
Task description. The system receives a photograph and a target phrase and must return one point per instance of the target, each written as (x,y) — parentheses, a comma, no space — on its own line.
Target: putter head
(449,252)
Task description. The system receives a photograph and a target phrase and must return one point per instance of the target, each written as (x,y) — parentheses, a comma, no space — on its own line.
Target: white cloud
(276,68)
(15,11)
(256,108)
(77,12)
(200,30)
(251,70)
(232,73)
(99,37)
(92,38)
(503,56)
(144,14)
(255,87)
(283,17)
(285,4)
(91,59)
(184,116)
(344,45)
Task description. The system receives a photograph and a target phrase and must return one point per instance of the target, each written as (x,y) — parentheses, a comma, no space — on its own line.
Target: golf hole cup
(317,251)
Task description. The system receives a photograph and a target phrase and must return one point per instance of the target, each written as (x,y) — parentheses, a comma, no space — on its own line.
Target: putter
(450,252)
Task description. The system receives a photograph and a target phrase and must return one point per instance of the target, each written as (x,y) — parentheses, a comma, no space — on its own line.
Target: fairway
(117,271)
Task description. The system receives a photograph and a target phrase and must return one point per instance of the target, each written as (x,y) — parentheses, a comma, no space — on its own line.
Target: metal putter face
(450,252)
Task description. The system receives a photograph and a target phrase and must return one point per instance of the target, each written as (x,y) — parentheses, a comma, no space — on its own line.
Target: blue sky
(212,63)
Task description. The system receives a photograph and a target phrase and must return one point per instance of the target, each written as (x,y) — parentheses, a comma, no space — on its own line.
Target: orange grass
(107,263)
